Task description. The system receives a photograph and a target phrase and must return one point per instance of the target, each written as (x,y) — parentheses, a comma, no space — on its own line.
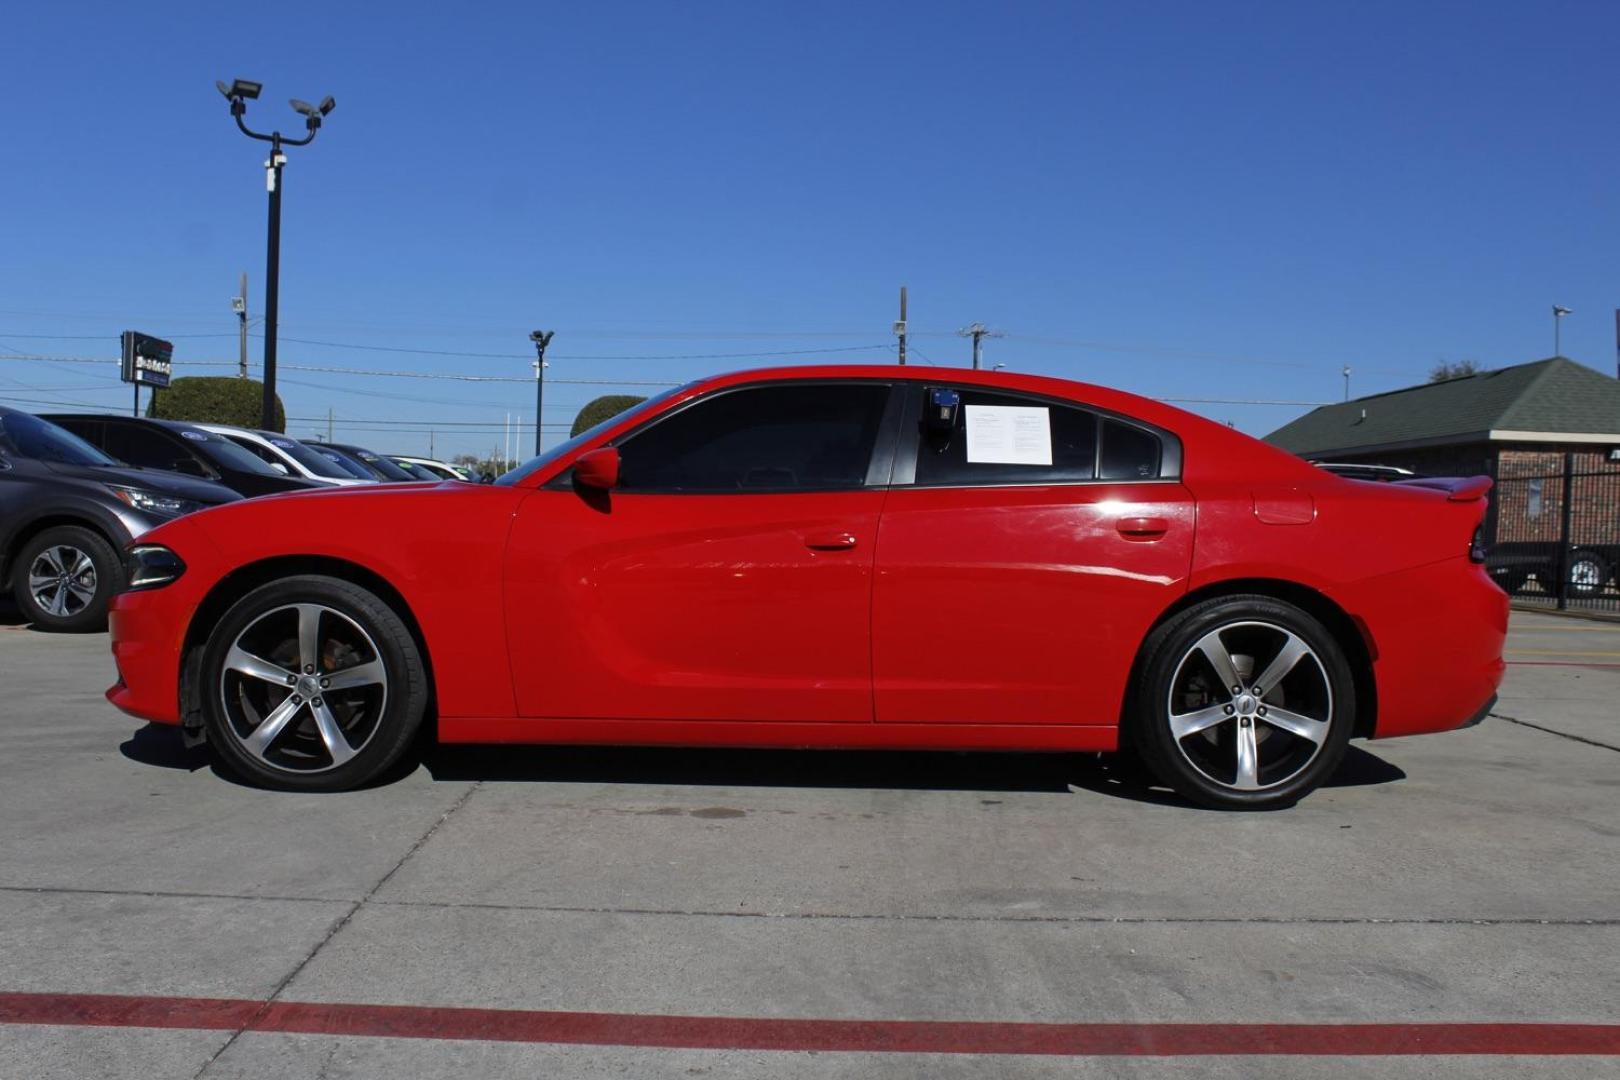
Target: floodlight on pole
(1558,316)
(239,93)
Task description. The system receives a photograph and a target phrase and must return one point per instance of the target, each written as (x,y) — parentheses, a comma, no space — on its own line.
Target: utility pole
(978,332)
(541,339)
(328,425)
(239,93)
(900,326)
(1347,382)
(239,305)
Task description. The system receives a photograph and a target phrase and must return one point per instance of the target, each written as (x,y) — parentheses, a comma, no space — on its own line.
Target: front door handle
(837,540)
(1142,528)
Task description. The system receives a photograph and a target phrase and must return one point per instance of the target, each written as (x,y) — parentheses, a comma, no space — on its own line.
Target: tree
(1454,369)
(214,399)
(603,408)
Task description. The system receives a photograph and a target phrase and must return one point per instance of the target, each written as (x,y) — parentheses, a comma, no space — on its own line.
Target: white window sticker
(1009,434)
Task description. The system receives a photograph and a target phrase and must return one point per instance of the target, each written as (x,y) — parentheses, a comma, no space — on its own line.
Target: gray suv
(66,512)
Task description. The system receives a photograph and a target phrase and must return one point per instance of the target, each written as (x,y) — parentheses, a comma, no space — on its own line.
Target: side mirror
(280,468)
(598,469)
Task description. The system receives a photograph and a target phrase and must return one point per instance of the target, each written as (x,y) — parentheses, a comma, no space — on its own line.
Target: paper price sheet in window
(1008,434)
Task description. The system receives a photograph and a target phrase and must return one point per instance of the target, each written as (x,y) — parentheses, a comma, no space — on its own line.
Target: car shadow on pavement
(160,745)
(1113,774)
(1119,775)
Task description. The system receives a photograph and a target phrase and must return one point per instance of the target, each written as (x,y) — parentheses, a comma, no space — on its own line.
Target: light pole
(541,339)
(1558,323)
(239,93)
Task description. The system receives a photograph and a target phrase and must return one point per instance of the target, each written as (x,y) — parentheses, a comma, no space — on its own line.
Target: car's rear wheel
(1243,702)
(311,683)
(65,578)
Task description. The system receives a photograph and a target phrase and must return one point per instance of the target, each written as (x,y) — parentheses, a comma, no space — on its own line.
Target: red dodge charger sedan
(834,557)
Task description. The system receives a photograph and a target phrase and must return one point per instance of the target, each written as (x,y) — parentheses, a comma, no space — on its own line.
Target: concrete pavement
(1463,878)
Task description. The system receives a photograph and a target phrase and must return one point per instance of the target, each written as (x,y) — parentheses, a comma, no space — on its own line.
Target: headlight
(153,565)
(153,502)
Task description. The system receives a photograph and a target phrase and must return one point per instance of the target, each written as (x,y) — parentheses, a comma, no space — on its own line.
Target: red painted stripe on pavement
(764,1033)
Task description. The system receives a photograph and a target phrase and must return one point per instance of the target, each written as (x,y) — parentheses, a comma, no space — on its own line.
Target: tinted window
(41,440)
(353,468)
(942,456)
(379,464)
(1129,453)
(540,461)
(309,459)
(225,453)
(147,448)
(766,438)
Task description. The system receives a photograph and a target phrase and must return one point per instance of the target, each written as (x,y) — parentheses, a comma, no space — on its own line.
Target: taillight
(1476,546)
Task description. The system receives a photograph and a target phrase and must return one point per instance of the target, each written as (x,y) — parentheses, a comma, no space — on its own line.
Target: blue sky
(1180,199)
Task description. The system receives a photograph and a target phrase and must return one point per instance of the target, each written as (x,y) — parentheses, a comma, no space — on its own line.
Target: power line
(522,356)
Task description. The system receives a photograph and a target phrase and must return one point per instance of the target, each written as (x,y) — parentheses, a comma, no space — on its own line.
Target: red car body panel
(986,599)
(971,617)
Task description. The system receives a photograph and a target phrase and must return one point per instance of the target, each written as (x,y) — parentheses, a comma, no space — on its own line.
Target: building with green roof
(1468,424)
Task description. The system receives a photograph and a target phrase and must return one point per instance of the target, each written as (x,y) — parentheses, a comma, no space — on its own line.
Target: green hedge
(214,399)
(603,408)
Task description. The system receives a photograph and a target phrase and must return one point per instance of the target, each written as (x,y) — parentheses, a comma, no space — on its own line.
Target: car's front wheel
(311,683)
(1243,702)
(65,578)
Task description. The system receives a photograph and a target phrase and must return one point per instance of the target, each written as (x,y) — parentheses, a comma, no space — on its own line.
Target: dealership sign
(147,360)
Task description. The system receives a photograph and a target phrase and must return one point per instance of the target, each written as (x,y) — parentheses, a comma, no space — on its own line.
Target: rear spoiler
(1457,488)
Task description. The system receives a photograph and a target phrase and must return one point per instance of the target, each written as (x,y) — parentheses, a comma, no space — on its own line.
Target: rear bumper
(1435,634)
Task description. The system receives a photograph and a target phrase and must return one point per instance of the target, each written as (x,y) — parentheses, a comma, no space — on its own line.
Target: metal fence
(1553,531)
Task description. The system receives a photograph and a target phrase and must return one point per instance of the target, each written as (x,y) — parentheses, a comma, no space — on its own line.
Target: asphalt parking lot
(674,913)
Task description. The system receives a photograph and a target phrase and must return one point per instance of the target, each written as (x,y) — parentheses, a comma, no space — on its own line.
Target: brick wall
(1529,496)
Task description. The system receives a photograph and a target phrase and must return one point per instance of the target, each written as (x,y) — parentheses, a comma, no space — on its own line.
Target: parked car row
(75,489)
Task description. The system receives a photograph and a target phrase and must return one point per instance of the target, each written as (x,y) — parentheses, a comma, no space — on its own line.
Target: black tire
(1316,698)
(89,577)
(357,634)
(1588,572)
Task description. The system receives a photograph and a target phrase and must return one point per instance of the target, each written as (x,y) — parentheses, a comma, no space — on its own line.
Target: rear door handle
(837,540)
(1142,528)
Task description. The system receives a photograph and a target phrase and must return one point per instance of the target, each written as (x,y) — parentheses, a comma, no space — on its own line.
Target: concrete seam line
(333,930)
(836,916)
(791,1034)
(1560,734)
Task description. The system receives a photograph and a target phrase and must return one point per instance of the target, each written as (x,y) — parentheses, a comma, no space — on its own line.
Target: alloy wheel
(62,580)
(304,688)
(1250,705)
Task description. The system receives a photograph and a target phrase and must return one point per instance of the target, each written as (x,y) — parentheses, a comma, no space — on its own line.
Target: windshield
(316,463)
(221,451)
(350,467)
(42,440)
(389,470)
(535,464)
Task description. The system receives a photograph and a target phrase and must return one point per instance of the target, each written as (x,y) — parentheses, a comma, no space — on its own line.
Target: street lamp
(1558,323)
(239,93)
(541,339)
